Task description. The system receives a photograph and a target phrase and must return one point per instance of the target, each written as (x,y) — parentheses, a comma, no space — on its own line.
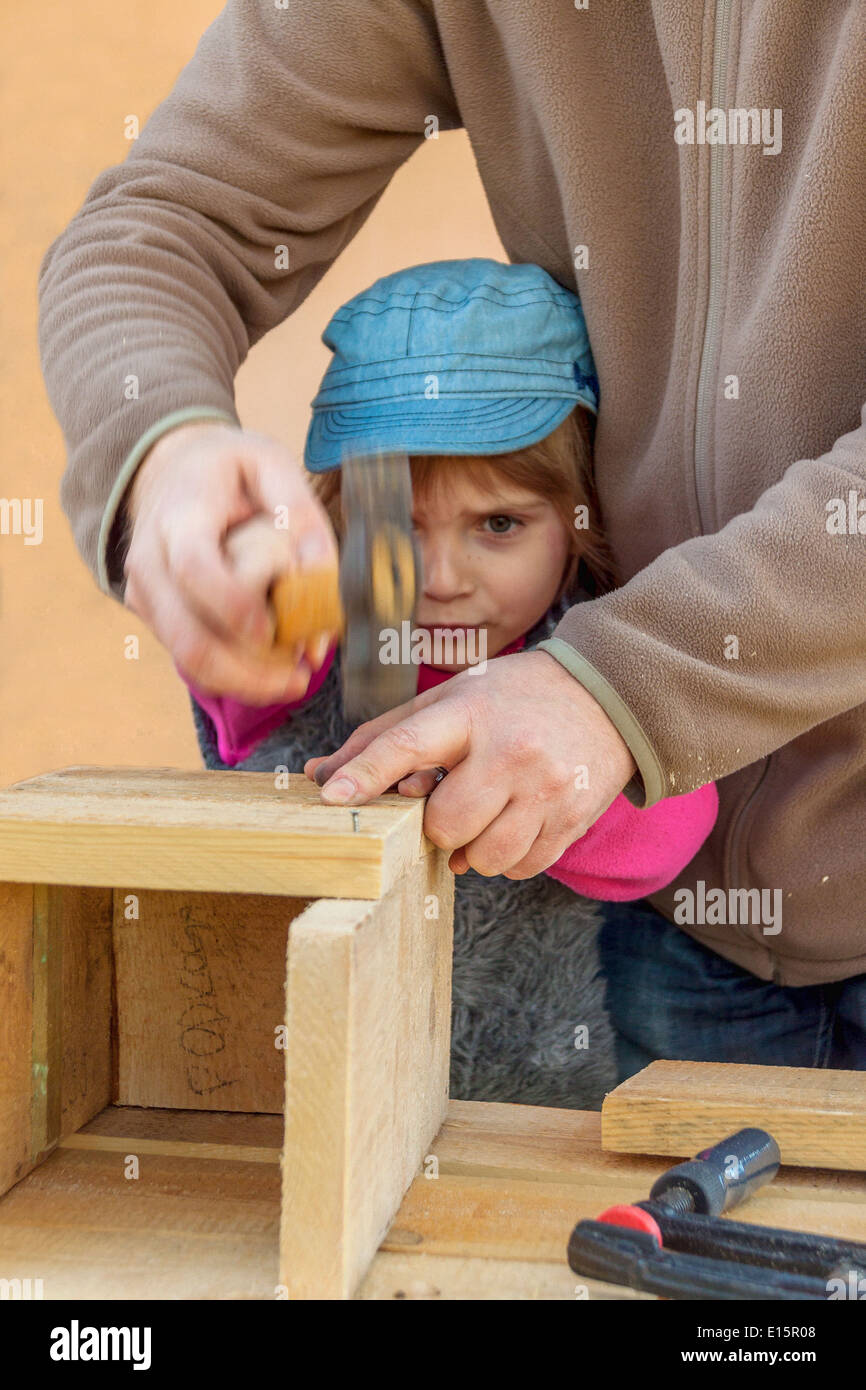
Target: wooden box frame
(297,950)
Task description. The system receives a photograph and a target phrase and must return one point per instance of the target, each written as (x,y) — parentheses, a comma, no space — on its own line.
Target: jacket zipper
(710,349)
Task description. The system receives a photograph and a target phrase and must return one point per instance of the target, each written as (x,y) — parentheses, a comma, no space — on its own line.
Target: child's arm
(630,852)
(240,727)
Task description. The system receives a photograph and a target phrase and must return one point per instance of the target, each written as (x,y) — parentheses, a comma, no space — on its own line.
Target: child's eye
(500,530)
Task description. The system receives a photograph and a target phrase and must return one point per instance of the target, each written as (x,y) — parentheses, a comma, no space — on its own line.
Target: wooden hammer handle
(304,603)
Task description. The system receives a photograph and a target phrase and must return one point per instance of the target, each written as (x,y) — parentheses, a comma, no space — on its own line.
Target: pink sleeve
(239,727)
(630,852)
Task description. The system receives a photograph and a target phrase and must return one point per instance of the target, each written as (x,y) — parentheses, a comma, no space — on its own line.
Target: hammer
(371,597)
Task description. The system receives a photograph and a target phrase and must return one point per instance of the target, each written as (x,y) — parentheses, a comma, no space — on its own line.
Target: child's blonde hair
(557,468)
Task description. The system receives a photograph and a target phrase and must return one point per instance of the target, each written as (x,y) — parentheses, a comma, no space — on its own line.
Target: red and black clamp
(674,1244)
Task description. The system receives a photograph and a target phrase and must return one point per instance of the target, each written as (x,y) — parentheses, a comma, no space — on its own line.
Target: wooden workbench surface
(201,1220)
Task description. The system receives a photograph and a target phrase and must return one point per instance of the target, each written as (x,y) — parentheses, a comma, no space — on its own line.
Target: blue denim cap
(452,357)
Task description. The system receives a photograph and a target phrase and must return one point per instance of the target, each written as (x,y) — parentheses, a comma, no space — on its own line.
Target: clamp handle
(722,1176)
(305,603)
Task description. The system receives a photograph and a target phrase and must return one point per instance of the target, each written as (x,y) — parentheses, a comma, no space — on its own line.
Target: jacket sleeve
(628,853)
(240,728)
(245,184)
(728,646)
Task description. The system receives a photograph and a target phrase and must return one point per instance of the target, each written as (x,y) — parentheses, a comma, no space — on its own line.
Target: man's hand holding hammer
(200,579)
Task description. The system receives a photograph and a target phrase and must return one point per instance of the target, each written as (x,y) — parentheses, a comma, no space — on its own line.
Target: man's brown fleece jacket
(697,173)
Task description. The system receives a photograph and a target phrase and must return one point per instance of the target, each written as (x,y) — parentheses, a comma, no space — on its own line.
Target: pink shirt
(626,854)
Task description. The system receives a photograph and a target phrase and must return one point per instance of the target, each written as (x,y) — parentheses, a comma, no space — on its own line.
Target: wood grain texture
(16,1029)
(186,1126)
(200,996)
(93,1224)
(47,1037)
(55,1018)
(817,1117)
(446,1278)
(171,1148)
(368,1010)
(206,831)
(204,1224)
(86,1023)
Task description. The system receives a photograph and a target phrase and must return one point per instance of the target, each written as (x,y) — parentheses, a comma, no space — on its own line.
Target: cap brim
(454,425)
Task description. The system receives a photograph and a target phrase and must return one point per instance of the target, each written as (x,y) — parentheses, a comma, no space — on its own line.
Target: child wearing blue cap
(482,373)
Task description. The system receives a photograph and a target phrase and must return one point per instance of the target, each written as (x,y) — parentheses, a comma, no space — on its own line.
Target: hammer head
(380,578)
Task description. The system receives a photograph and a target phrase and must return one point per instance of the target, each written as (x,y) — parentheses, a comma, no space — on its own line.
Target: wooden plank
(201,999)
(510,1218)
(186,1126)
(171,1148)
(90,1224)
(203,1223)
(529,1141)
(534,1143)
(47,1043)
(162,828)
(817,1116)
(55,1016)
(368,1010)
(444,1278)
(490,1217)
(86,1023)
(16,1029)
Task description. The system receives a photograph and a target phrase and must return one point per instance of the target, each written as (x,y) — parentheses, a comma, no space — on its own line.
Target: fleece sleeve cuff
(647,786)
(111,582)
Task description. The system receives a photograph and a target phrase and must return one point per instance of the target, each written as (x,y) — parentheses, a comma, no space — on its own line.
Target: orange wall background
(72,75)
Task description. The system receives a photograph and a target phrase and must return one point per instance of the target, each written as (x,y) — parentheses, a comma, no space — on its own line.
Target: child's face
(491,561)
